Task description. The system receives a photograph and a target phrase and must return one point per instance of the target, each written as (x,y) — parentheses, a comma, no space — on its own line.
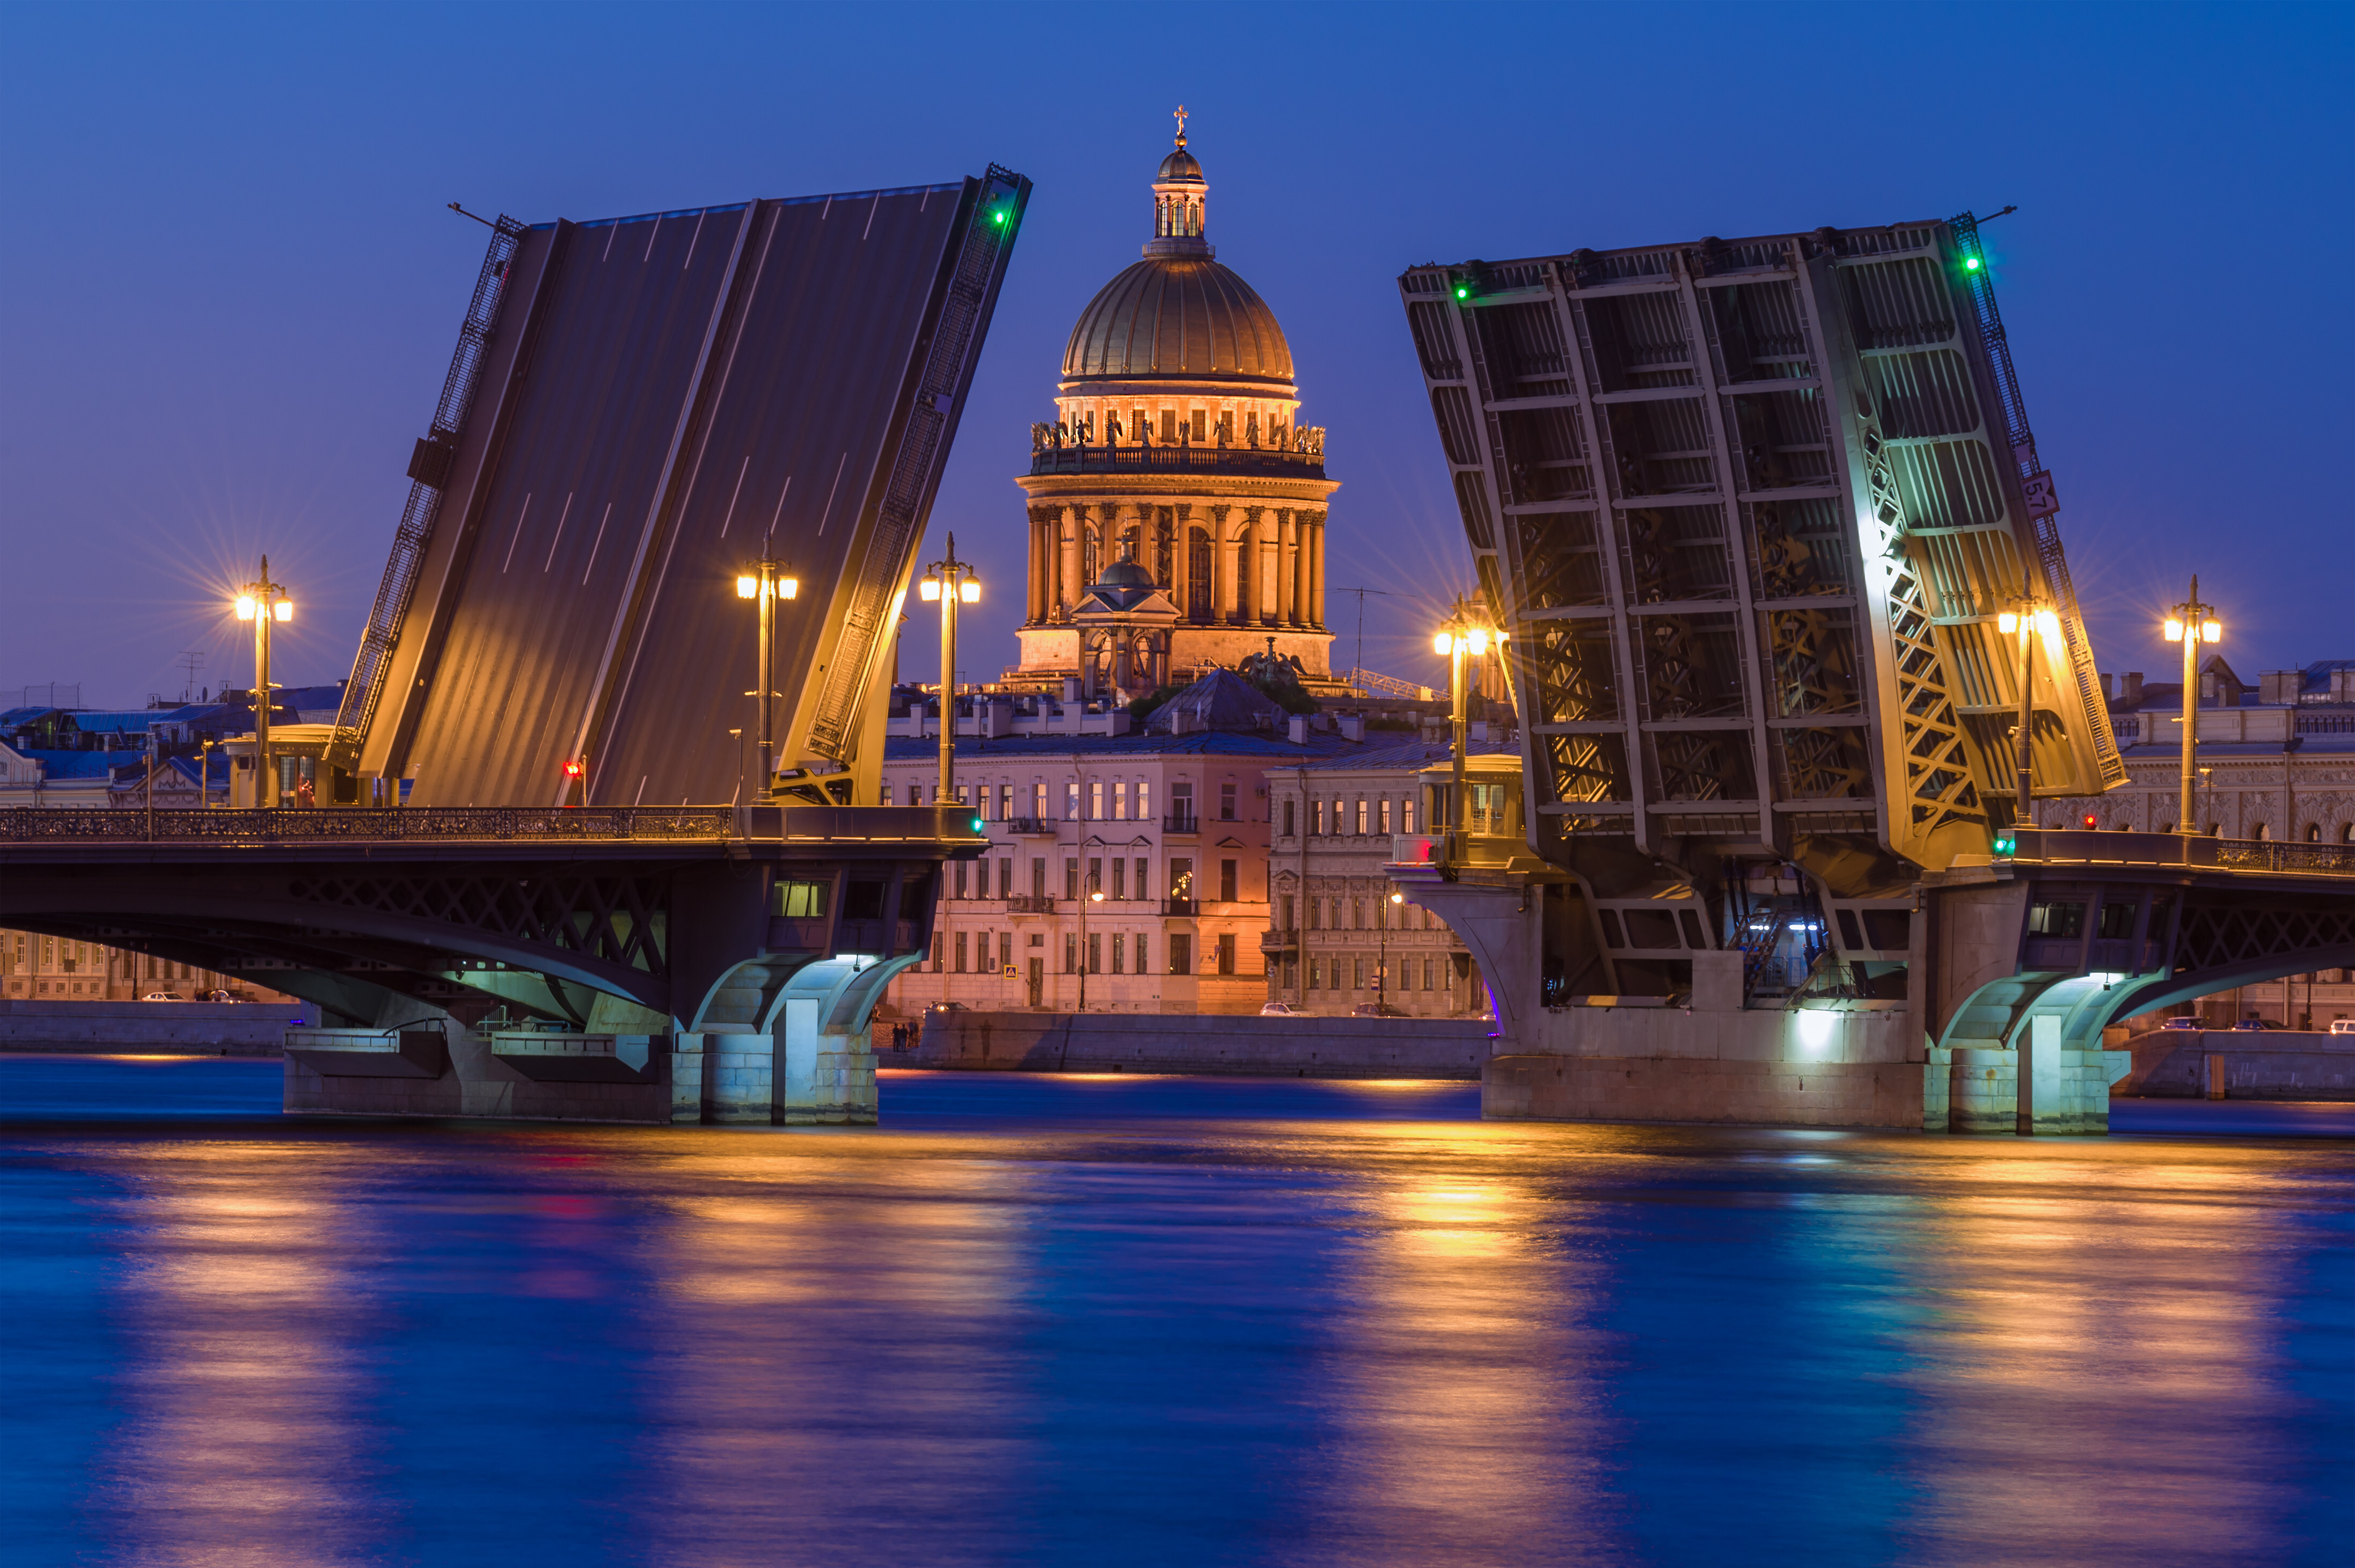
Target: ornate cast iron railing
(495,824)
(2095,847)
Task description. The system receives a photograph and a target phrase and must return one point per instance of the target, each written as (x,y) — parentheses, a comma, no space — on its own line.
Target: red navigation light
(2092,821)
(572,770)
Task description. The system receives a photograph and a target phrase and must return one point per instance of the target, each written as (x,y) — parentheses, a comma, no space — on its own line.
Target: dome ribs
(1178,317)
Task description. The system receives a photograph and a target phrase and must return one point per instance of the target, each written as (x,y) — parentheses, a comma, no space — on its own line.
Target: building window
(1406,815)
(1181,879)
(1316,976)
(1226,802)
(1096,952)
(1383,825)
(1071,801)
(1005,878)
(1181,804)
(1141,863)
(1181,952)
(960,866)
(1226,952)
(1095,875)
(1005,949)
(1287,914)
(940,943)
(1119,954)
(1038,876)
(1070,953)
(960,951)
(1119,878)
(1071,879)
(1144,800)
(1168,431)
(1426,974)
(1039,802)
(1356,914)
(796,901)
(1340,816)
(1287,819)
(1095,800)
(1359,966)
(1362,817)
(1227,881)
(1005,803)
(1315,915)
(1140,953)
(1316,818)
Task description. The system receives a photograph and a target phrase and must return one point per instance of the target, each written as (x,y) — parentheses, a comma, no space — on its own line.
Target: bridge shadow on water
(1112,1321)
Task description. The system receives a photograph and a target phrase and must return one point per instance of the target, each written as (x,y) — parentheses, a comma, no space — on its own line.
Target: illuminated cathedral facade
(1176,506)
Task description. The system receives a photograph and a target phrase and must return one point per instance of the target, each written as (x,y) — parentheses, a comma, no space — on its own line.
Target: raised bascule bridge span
(538,879)
(1752,514)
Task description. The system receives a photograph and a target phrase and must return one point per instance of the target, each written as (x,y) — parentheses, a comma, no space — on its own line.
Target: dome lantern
(1180,194)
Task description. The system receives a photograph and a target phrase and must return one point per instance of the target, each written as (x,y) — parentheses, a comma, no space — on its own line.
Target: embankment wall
(1201,1044)
(197,1028)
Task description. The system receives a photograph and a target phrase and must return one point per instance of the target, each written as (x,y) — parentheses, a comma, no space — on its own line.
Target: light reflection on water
(1034,1320)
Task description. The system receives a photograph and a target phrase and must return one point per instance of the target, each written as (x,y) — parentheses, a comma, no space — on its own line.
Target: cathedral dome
(1178,314)
(1179,317)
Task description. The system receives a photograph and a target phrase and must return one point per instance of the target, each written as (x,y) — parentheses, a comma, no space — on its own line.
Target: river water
(1079,1321)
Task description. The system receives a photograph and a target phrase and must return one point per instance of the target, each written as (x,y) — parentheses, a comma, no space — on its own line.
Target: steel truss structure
(1749,509)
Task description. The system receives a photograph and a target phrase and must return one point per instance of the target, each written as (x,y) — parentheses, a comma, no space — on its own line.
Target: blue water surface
(1152,1321)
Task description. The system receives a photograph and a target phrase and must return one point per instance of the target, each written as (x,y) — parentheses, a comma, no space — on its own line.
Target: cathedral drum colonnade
(1176,506)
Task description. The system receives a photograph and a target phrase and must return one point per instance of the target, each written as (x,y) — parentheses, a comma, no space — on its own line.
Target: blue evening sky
(231,287)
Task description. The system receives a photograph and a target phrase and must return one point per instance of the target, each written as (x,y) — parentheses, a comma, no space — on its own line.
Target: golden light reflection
(239,1433)
(2097,1367)
(1471,1426)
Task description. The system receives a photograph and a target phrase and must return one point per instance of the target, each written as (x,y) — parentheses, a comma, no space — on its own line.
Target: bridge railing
(484,825)
(2085,845)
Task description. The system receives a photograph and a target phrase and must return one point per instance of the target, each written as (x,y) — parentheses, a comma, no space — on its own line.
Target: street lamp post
(2191,624)
(951,582)
(263,603)
(1092,895)
(2027,617)
(766,582)
(1464,634)
(1382,956)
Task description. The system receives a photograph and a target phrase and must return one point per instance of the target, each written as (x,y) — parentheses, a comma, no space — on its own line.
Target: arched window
(2314,833)
(2258,831)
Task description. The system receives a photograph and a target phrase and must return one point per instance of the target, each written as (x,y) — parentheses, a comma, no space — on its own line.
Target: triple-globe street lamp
(2191,624)
(265,603)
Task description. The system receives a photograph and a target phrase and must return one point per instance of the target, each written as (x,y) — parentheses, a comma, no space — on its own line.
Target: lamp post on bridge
(766,582)
(2028,617)
(1464,634)
(1382,953)
(2191,624)
(951,583)
(263,603)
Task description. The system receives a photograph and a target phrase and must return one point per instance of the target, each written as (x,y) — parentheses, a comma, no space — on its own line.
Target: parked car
(2342,1026)
(162,997)
(1377,1010)
(1283,1010)
(946,1008)
(2183,1021)
(216,996)
(2252,1025)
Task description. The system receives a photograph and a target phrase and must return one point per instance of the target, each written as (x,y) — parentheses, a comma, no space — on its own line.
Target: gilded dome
(1179,167)
(1182,318)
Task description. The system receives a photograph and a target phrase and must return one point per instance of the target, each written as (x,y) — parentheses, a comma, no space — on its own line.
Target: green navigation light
(1971,265)
(977,825)
(1462,292)
(999,217)
(2005,843)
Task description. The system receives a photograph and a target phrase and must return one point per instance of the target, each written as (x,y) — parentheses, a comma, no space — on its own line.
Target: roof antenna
(1990,217)
(488,224)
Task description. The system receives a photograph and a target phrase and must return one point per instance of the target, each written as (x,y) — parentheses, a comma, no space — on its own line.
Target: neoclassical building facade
(1175,452)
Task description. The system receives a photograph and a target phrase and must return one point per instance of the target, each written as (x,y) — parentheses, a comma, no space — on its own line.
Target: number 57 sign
(2042,501)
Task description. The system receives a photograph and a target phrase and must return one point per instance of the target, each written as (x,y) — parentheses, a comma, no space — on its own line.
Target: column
(1300,612)
(1181,562)
(1316,570)
(1067,583)
(1031,588)
(1287,546)
(1222,569)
